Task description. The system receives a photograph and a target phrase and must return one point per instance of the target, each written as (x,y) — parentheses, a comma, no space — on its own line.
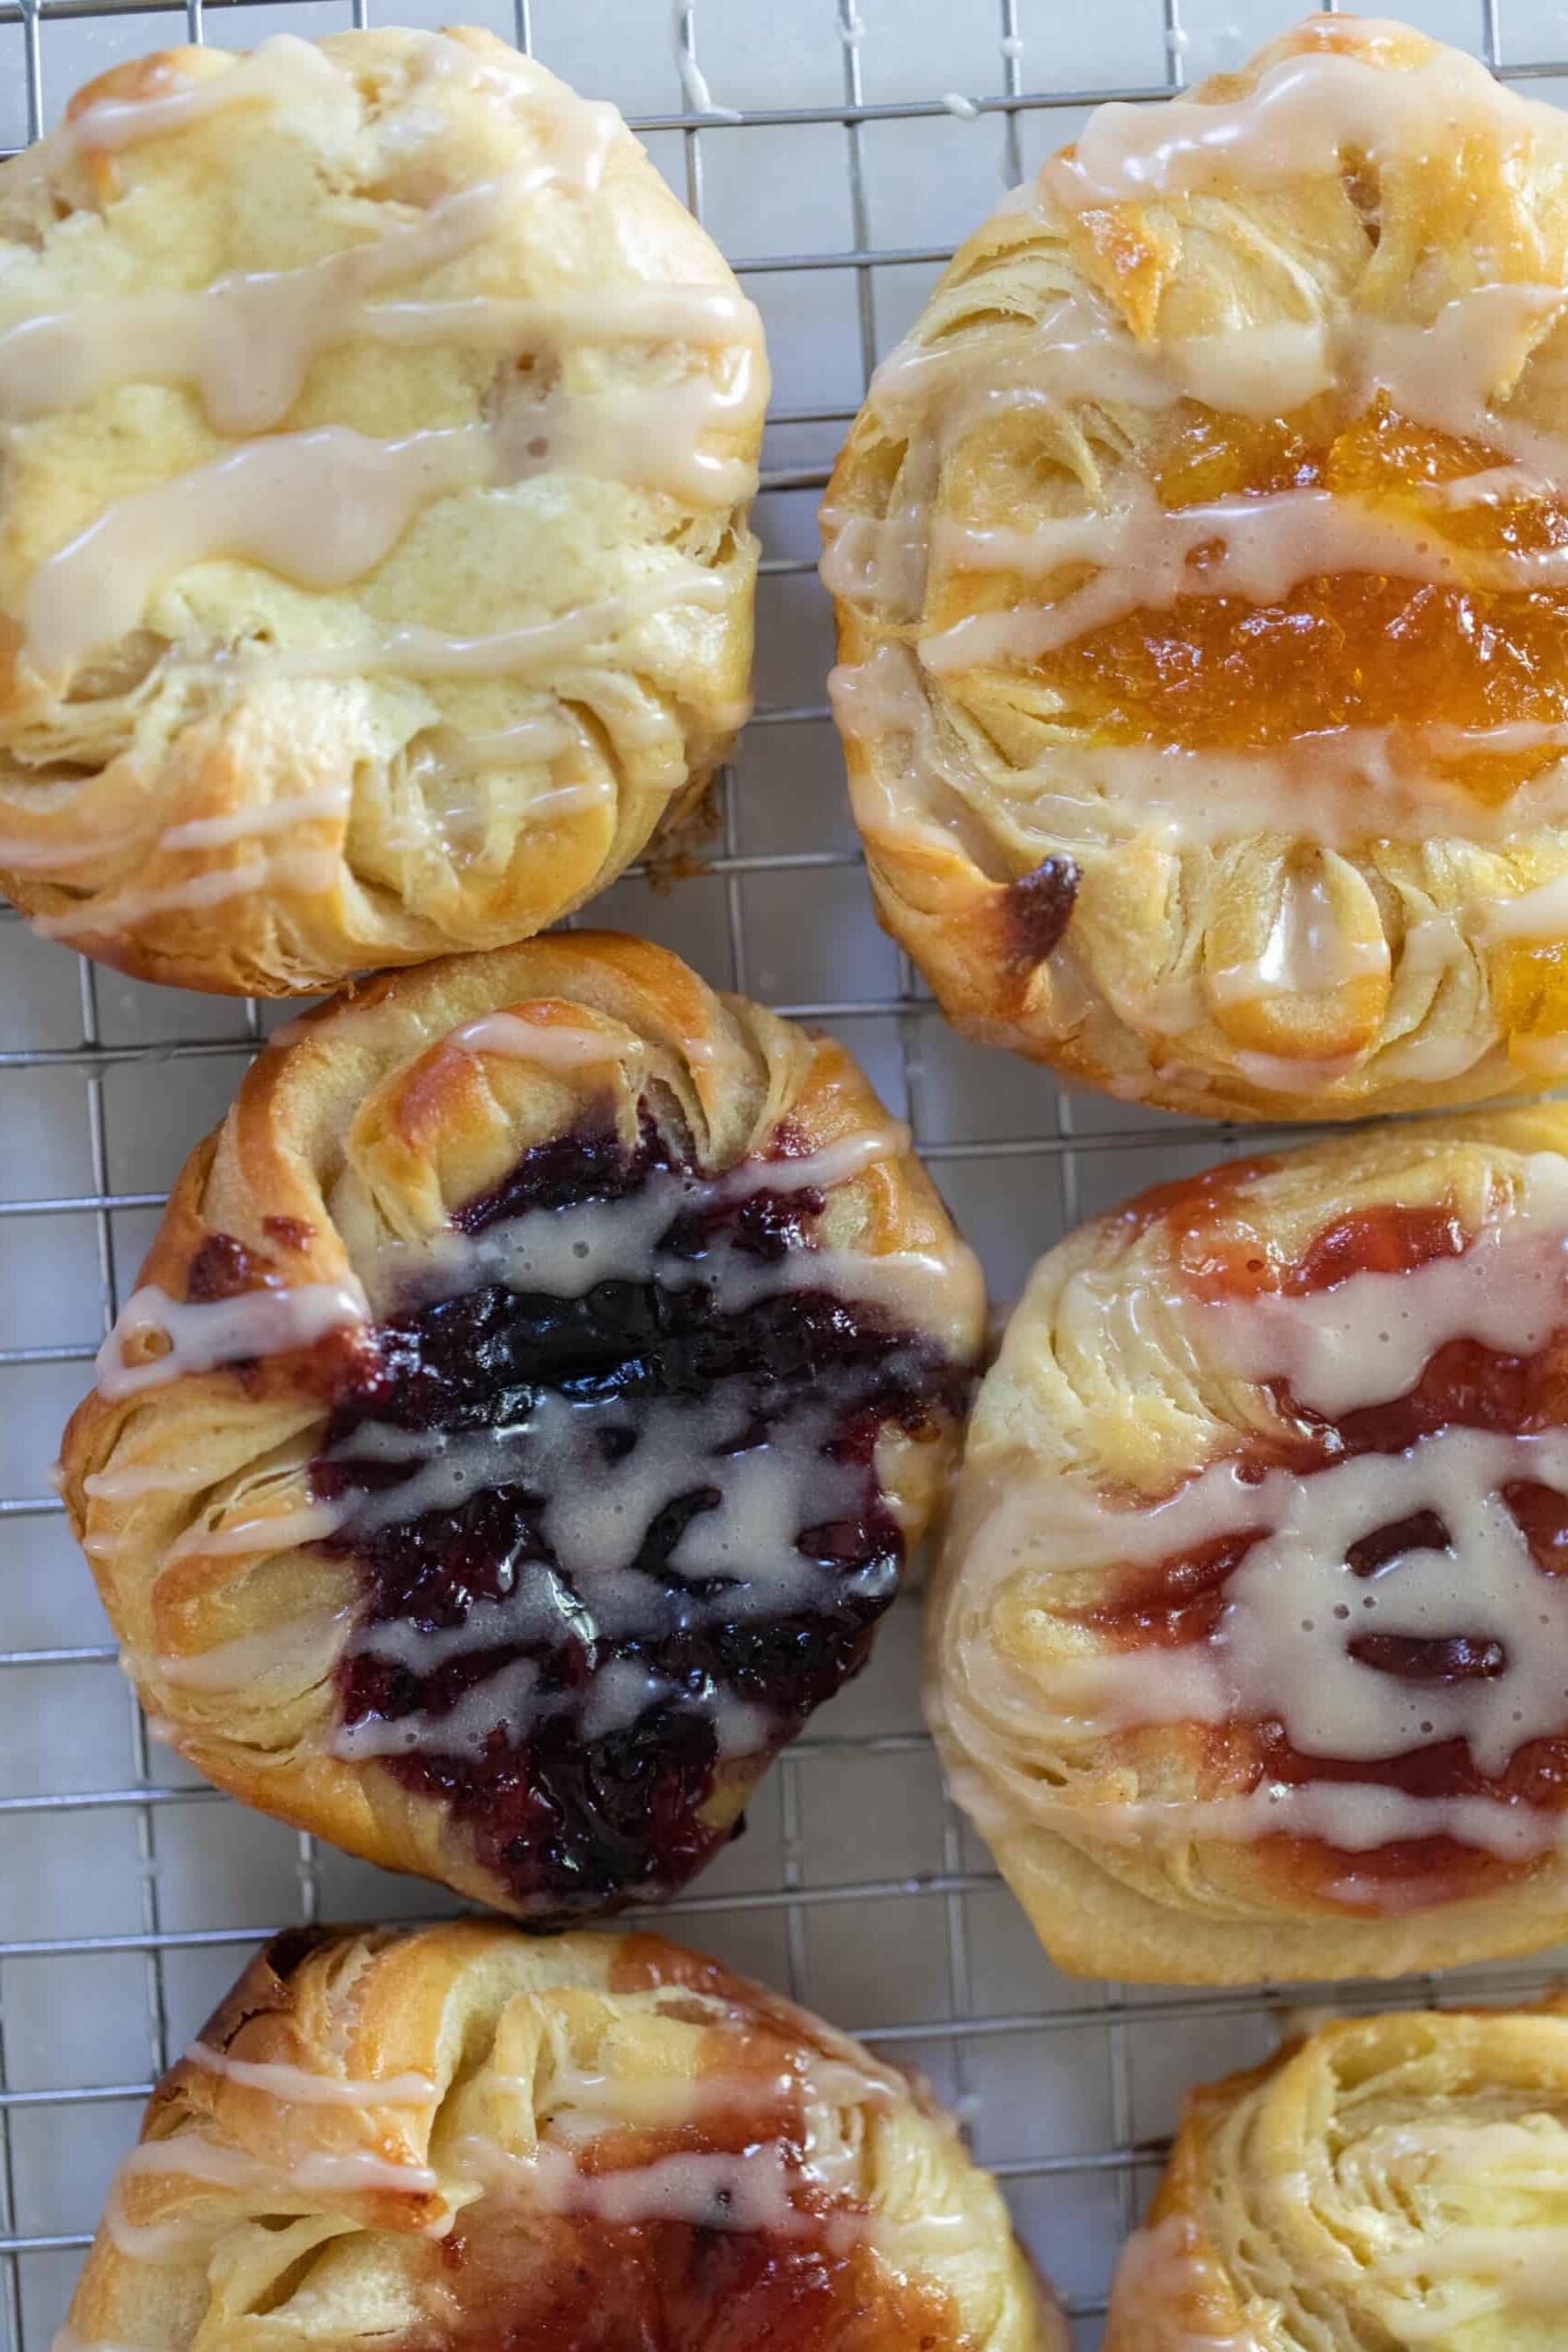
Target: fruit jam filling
(519,2279)
(1464,1385)
(610,1481)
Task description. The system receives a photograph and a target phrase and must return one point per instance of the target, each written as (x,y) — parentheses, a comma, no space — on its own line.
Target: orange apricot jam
(1353,650)
(1181,1599)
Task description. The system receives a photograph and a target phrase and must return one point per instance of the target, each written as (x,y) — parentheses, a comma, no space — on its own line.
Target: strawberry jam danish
(1202,571)
(523,1417)
(1250,1654)
(468,2138)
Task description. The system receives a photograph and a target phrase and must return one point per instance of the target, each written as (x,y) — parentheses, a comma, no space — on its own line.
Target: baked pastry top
(1201,581)
(374,569)
(1396,2181)
(1246,1651)
(468,2137)
(527,1409)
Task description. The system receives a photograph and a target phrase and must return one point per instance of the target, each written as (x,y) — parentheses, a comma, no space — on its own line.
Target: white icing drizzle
(1147,556)
(651,435)
(246,341)
(282,70)
(188,2155)
(1441,374)
(413,650)
(606,1469)
(272,1532)
(1303,113)
(1535,915)
(1360,782)
(302,2086)
(308,1648)
(1294,1606)
(1306,951)
(578,135)
(1365,1340)
(1524,2264)
(552,1045)
(469,751)
(1296,1609)
(305,871)
(266,817)
(1161,2271)
(148,1478)
(325,507)
(753,2187)
(693,81)
(1341,788)
(322,508)
(750,2189)
(570,1250)
(206,1333)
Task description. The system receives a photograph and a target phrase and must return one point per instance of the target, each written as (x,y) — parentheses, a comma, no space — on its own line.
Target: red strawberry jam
(1181,1600)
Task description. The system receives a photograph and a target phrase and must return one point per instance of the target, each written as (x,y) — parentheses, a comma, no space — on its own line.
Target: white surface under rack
(860,141)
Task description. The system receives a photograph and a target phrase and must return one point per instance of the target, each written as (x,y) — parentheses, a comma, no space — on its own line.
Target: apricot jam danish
(1201,570)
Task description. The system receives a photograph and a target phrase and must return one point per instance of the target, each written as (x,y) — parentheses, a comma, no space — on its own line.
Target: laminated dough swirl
(1201,562)
(1396,2181)
(466,2137)
(1247,1652)
(375,574)
(522,1418)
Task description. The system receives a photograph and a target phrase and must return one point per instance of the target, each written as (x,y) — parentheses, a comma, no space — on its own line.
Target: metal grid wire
(130,1892)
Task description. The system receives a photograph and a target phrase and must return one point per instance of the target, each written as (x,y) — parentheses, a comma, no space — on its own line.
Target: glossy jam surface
(517,2276)
(1355,650)
(584,1805)
(1181,1599)
(522,2281)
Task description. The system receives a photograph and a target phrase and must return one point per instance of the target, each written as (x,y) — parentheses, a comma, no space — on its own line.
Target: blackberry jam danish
(522,1418)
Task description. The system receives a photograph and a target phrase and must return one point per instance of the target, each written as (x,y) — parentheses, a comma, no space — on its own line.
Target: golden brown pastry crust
(529,2090)
(364,1132)
(1390,2180)
(280,723)
(1184,700)
(1225,1422)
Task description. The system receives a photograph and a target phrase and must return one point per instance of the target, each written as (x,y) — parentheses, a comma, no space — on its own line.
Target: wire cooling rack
(859,141)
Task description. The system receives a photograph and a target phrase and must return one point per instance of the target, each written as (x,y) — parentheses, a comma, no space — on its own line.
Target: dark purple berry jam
(648,1686)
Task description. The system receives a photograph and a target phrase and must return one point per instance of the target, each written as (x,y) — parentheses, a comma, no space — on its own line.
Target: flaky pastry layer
(374,567)
(1199,635)
(1395,2180)
(358,1142)
(1242,1651)
(448,2136)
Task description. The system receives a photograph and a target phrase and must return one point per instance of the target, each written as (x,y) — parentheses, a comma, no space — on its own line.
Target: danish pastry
(1391,2180)
(1201,591)
(374,569)
(529,1400)
(468,2136)
(1249,1650)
